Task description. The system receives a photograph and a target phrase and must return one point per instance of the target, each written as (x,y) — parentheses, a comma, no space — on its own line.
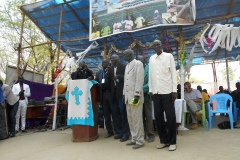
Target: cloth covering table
(180,108)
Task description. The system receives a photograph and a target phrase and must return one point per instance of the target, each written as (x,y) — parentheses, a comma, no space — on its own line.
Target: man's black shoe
(24,131)
(119,136)
(11,135)
(124,138)
(109,135)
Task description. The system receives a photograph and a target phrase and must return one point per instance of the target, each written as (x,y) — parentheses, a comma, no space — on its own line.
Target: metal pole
(182,77)
(182,126)
(55,106)
(56,80)
(20,43)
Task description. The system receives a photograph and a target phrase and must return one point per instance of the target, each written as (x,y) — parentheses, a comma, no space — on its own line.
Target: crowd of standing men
(126,93)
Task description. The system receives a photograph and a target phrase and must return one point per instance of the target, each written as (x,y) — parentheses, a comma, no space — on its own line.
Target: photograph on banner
(110,17)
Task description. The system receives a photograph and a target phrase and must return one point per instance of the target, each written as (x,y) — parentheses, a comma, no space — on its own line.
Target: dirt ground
(192,144)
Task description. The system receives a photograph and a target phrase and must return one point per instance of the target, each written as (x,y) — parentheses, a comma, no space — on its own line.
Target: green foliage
(10,26)
(223,73)
(193,80)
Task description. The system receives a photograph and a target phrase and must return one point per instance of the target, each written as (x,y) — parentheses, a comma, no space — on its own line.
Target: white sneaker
(162,146)
(172,147)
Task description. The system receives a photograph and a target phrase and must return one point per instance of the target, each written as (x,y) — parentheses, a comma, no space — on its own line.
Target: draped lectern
(82,110)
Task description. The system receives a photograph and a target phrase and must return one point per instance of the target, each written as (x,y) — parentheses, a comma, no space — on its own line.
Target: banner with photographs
(110,17)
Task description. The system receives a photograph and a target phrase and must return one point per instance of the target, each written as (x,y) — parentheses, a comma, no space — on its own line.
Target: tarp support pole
(177,53)
(105,48)
(59,34)
(20,43)
(56,80)
(137,50)
(214,72)
(227,71)
(182,76)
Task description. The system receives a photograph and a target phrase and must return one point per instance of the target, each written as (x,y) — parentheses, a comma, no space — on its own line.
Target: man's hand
(90,78)
(21,93)
(123,99)
(115,77)
(107,69)
(136,98)
(85,66)
(174,96)
(150,94)
(2,105)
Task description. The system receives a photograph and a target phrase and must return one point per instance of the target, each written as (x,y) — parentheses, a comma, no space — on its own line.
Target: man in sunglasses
(194,99)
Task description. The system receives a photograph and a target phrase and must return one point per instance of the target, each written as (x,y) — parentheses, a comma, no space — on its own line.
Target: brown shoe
(194,126)
(199,115)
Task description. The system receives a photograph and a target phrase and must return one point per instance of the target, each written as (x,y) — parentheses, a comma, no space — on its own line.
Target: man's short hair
(158,41)
(187,84)
(115,55)
(238,85)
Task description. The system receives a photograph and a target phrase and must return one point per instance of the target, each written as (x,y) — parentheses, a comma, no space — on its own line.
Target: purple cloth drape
(39,91)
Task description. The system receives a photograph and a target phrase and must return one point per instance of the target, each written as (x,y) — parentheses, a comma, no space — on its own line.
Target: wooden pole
(105,48)
(227,71)
(56,80)
(177,53)
(20,43)
(137,50)
(214,72)
(59,34)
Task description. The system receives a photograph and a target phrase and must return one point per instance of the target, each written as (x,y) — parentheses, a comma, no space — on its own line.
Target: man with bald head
(82,72)
(119,108)
(133,97)
(163,88)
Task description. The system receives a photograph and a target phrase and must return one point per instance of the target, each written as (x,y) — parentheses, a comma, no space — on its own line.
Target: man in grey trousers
(147,105)
(133,98)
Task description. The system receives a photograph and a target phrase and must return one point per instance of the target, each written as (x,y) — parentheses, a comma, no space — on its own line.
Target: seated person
(220,90)
(82,72)
(193,99)
(205,90)
(236,95)
(204,95)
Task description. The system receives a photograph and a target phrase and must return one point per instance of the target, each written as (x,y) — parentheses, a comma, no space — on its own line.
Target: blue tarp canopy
(75,25)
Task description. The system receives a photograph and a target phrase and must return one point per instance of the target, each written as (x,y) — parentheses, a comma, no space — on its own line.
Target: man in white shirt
(21,90)
(163,88)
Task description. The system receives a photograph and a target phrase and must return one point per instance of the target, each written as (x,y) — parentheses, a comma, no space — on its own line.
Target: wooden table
(34,111)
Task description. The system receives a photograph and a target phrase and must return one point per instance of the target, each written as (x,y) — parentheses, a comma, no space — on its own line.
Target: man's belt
(21,98)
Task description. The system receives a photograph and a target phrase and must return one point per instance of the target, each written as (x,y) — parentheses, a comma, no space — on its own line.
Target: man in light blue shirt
(194,99)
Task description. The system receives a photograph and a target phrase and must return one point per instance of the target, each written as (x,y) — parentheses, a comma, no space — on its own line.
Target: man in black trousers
(12,107)
(105,96)
(163,88)
(119,108)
